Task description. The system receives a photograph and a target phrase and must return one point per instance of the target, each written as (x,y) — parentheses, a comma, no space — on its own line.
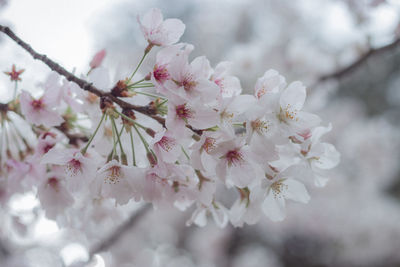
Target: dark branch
(116,235)
(147,110)
(359,62)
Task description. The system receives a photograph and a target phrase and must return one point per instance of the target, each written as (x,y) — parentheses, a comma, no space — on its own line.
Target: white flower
(79,169)
(158,31)
(277,191)
(39,111)
(53,195)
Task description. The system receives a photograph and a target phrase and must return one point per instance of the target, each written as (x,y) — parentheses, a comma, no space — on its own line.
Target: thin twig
(147,110)
(116,235)
(359,62)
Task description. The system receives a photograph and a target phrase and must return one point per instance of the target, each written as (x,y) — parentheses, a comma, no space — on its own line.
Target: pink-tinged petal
(25,101)
(151,19)
(241,103)
(201,67)
(53,197)
(203,119)
(36,111)
(50,118)
(241,175)
(271,82)
(221,170)
(274,207)
(207,90)
(293,97)
(173,29)
(295,191)
(97,59)
(57,156)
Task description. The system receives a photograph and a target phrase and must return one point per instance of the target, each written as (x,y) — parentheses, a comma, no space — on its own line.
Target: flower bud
(121,89)
(130,114)
(106,103)
(151,158)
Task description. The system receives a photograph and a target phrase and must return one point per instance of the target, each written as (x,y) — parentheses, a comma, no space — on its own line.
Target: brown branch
(73,138)
(359,62)
(116,235)
(147,110)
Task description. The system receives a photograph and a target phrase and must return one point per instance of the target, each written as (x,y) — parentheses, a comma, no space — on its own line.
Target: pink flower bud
(97,59)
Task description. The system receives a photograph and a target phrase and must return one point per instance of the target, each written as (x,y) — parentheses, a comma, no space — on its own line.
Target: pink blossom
(97,59)
(39,111)
(158,31)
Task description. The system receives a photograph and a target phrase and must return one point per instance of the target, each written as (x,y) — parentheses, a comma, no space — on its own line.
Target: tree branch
(116,235)
(147,110)
(359,62)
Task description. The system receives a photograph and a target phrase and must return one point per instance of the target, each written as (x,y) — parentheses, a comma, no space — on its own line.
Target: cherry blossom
(182,136)
(39,111)
(158,31)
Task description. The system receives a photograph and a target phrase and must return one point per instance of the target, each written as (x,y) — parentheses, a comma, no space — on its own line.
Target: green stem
(136,82)
(131,120)
(146,145)
(114,152)
(184,152)
(151,95)
(83,151)
(118,135)
(133,148)
(15,90)
(137,67)
(141,86)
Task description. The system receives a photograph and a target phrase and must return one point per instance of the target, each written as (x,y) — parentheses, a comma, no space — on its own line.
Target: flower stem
(146,145)
(118,135)
(83,151)
(133,147)
(131,120)
(137,82)
(151,95)
(137,67)
(184,152)
(15,90)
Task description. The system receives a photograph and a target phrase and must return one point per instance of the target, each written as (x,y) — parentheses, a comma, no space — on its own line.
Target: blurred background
(345,51)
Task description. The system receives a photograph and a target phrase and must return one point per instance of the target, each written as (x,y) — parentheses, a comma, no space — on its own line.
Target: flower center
(160,73)
(37,104)
(234,157)
(278,189)
(73,167)
(166,143)
(188,83)
(288,114)
(209,144)
(53,183)
(183,112)
(260,126)
(114,175)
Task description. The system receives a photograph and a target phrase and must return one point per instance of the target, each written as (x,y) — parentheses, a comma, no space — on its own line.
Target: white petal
(294,96)
(296,191)
(173,30)
(273,207)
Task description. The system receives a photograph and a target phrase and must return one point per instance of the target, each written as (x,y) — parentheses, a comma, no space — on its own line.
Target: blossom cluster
(209,139)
